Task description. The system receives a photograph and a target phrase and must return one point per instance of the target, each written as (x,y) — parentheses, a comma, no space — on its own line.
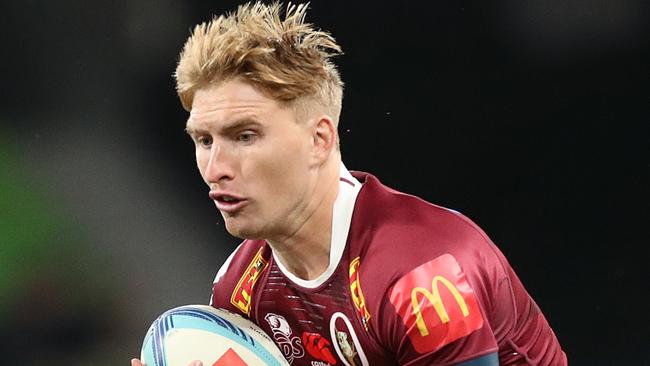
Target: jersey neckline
(346,197)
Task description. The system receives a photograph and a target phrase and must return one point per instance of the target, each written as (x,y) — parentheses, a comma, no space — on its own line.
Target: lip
(227,206)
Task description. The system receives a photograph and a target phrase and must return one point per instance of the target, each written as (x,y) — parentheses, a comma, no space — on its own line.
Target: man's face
(255,157)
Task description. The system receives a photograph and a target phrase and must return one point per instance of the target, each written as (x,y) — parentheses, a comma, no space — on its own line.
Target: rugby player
(336,267)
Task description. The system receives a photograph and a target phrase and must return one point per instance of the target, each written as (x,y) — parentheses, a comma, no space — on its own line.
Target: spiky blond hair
(287,59)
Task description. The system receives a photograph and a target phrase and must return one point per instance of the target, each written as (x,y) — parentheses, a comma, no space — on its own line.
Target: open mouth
(227,203)
(227,200)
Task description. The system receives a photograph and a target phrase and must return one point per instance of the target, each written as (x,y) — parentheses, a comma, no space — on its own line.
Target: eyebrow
(238,124)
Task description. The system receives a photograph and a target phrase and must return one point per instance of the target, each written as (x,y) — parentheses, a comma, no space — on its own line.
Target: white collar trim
(349,188)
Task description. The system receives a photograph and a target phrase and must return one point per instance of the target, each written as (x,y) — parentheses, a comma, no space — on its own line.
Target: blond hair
(287,59)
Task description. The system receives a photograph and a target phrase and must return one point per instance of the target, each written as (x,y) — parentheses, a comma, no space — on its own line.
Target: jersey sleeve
(217,284)
(234,284)
(433,316)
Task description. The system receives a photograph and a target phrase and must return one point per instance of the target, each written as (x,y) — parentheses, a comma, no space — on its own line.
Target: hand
(136,362)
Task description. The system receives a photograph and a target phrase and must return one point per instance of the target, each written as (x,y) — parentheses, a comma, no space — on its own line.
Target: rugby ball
(215,337)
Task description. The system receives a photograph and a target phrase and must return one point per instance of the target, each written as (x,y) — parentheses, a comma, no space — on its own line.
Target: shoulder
(233,285)
(244,253)
(413,255)
(394,232)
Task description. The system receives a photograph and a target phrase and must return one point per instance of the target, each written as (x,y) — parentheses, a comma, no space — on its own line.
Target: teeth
(227,198)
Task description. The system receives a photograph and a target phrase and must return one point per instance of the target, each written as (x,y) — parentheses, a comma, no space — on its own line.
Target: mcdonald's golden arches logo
(436,304)
(434,298)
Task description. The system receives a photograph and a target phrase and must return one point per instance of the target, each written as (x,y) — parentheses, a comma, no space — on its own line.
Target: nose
(219,166)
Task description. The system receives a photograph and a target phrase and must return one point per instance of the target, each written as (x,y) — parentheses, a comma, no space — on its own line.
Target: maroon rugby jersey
(409,283)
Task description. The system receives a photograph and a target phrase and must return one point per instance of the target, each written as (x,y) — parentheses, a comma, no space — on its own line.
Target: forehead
(229,100)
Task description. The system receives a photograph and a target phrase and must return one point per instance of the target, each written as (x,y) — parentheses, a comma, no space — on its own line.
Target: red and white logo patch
(436,304)
(318,347)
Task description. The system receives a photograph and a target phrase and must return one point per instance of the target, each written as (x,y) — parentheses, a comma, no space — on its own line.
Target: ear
(324,138)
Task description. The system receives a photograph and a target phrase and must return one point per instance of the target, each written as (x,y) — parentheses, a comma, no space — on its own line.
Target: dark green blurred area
(52,287)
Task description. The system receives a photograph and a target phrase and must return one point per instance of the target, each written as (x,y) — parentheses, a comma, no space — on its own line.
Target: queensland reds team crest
(283,335)
(436,304)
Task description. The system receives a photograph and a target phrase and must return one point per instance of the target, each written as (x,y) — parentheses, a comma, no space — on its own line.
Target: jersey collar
(349,188)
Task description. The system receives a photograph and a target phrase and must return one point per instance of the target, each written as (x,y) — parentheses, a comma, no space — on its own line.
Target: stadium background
(531,118)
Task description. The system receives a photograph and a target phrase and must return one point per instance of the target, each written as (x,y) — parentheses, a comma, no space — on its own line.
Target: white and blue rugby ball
(213,336)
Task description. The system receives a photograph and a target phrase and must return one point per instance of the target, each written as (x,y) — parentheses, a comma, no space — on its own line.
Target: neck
(306,252)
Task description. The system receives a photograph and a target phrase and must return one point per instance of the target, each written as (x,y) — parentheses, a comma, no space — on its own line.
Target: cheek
(278,168)
(287,174)
(287,159)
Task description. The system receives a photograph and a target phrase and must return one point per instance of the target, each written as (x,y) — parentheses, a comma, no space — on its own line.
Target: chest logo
(345,341)
(282,334)
(357,295)
(318,347)
(241,297)
(436,304)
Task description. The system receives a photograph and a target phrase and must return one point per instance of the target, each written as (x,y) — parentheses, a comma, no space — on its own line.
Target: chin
(242,231)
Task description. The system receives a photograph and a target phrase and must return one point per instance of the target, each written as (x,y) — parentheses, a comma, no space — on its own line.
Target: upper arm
(435,316)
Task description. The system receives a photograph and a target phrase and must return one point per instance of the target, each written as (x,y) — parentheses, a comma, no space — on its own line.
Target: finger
(136,362)
(196,363)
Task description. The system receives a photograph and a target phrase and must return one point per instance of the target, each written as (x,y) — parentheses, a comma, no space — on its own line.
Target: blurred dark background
(529,117)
